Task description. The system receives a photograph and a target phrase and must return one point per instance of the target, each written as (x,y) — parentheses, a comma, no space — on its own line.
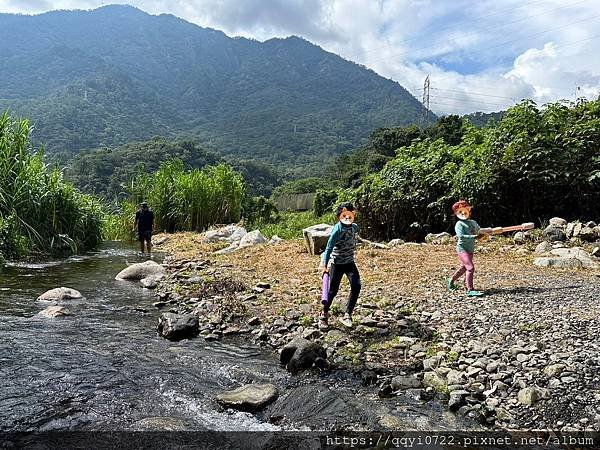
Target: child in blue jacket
(340,249)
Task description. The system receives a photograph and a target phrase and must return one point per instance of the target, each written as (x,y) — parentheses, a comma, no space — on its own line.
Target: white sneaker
(346,320)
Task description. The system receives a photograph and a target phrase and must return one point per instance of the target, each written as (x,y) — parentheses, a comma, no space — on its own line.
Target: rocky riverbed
(523,356)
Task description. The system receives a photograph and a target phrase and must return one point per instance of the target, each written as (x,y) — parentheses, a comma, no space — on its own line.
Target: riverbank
(524,356)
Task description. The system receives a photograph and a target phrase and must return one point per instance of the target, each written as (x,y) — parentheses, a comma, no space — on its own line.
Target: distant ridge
(116,74)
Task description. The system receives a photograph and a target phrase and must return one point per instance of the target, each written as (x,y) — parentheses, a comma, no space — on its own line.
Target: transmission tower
(425,111)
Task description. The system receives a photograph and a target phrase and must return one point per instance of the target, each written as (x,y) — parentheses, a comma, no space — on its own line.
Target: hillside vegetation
(121,75)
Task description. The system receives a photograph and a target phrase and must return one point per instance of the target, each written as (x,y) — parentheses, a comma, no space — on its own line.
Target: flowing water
(105,368)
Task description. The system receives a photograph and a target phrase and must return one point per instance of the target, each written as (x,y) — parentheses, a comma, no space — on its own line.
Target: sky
(480,55)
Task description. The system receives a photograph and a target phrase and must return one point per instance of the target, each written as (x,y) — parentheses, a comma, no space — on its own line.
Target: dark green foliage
(349,169)
(325,201)
(120,75)
(537,163)
(259,210)
(106,172)
(39,212)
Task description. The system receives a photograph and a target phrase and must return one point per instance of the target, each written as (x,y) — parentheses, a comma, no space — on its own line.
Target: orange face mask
(463,213)
(346,217)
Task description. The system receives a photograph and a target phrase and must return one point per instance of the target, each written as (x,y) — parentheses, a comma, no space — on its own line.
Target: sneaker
(473,293)
(346,320)
(451,285)
(324,322)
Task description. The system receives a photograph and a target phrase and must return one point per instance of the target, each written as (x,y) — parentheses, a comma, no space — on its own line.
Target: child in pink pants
(467,230)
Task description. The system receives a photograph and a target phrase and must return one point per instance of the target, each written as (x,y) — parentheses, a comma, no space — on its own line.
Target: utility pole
(425,111)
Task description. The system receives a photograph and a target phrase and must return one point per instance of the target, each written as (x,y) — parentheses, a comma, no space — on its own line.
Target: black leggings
(336,273)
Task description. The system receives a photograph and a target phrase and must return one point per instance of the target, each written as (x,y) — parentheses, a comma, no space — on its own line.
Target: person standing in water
(144,223)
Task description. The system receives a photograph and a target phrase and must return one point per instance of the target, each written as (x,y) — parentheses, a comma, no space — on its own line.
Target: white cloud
(480,55)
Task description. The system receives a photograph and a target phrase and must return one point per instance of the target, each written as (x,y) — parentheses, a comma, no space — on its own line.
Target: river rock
(253,238)
(519,238)
(151,282)
(554,234)
(316,237)
(575,253)
(573,229)
(229,233)
(531,395)
(250,398)
(59,294)
(139,271)
(275,240)
(395,242)
(543,247)
(435,380)
(301,354)
(439,238)
(554,370)
(403,382)
(558,222)
(55,311)
(177,326)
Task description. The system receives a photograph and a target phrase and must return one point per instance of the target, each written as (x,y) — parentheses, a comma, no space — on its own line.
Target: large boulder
(229,233)
(253,238)
(139,271)
(316,237)
(60,294)
(554,234)
(543,247)
(439,238)
(177,326)
(250,398)
(301,354)
(54,311)
(567,258)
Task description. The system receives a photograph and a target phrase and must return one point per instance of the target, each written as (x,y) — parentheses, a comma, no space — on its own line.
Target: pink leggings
(466,265)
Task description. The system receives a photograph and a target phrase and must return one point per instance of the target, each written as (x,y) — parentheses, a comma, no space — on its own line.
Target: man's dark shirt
(145,220)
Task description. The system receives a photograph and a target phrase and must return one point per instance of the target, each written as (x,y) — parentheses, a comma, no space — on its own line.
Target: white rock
(558,222)
(253,238)
(276,239)
(59,294)
(141,270)
(229,233)
(438,239)
(316,237)
(395,242)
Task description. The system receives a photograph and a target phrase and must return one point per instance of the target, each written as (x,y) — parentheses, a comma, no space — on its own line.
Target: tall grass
(181,200)
(39,211)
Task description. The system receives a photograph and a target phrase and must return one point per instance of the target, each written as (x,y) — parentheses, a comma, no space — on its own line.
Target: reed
(181,200)
(39,211)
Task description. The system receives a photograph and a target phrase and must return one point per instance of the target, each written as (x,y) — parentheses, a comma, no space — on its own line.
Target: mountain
(92,79)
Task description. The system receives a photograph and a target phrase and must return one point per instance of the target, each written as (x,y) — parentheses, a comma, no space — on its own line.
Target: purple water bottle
(325,288)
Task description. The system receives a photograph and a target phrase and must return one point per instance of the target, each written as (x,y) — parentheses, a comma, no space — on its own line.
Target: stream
(105,368)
